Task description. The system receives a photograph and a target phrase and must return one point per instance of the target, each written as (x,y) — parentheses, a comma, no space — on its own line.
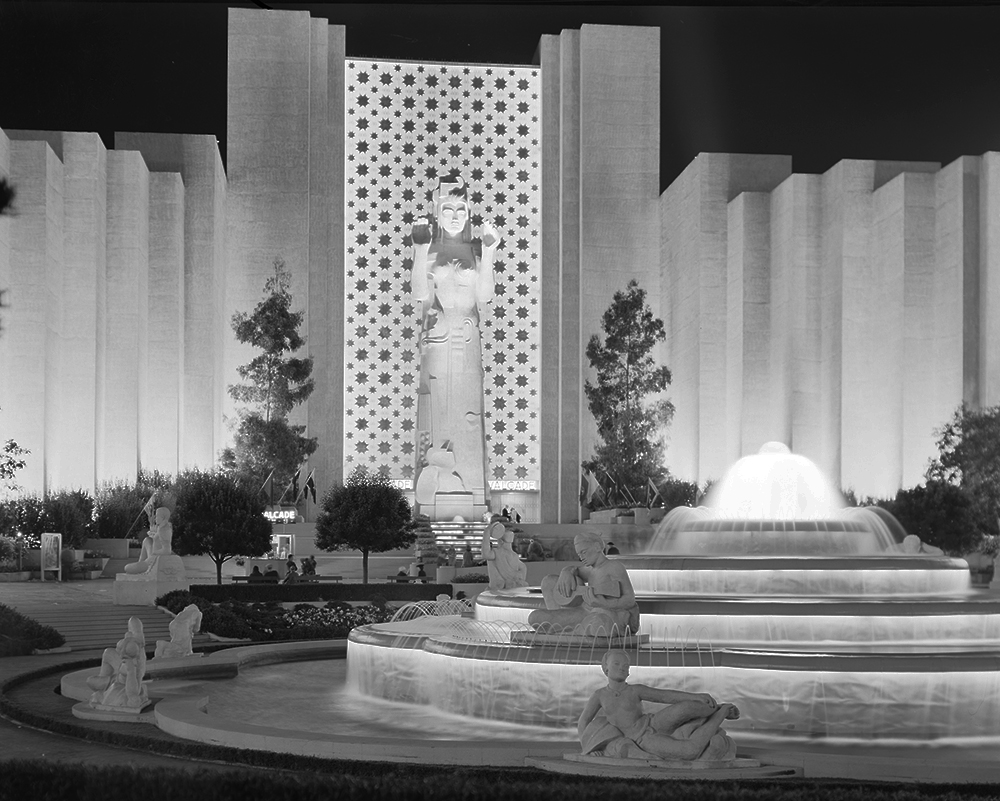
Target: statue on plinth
(119,685)
(505,568)
(183,627)
(157,543)
(594,599)
(452,274)
(688,727)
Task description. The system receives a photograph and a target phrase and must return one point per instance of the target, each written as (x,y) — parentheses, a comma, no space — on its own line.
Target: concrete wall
(859,312)
(600,145)
(206,327)
(285,199)
(123,417)
(160,447)
(32,323)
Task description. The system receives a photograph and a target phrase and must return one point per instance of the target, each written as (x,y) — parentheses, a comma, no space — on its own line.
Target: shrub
(473,578)
(20,635)
(8,549)
(265,622)
(296,593)
(71,514)
(118,505)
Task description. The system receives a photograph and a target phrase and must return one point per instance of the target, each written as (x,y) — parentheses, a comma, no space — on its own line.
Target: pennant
(293,485)
(267,488)
(651,499)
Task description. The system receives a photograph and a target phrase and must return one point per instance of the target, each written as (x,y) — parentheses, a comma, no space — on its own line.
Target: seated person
(593,599)
(271,574)
(255,574)
(292,575)
(688,727)
(612,550)
(536,553)
(401,575)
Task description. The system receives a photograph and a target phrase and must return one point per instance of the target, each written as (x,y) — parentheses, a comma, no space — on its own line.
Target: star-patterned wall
(408,123)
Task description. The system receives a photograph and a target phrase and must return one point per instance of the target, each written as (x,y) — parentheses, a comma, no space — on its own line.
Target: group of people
(292,573)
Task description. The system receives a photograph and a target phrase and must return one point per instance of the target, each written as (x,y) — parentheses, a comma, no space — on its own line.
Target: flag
(293,485)
(310,485)
(593,485)
(267,487)
(651,499)
(613,494)
(149,509)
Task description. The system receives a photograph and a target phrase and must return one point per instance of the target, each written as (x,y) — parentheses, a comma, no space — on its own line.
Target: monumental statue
(452,275)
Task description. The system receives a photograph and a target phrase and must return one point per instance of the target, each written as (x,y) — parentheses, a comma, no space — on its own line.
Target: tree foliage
(118,504)
(217,517)
(940,514)
(626,399)
(274,382)
(969,458)
(367,514)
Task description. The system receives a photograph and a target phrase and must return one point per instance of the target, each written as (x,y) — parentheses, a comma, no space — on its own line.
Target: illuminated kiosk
(810,616)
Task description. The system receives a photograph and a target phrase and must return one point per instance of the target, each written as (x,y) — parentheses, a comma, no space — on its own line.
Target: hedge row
(38,779)
(295,593)
(268,622)
(20,635)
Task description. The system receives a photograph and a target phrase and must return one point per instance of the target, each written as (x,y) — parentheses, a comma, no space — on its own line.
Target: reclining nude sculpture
(593,599)
(157,543)
(688,727)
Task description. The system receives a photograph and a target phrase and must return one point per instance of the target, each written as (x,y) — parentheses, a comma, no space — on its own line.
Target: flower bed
(261,622)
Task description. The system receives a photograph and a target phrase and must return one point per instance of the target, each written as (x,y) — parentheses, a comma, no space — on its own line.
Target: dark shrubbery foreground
(20,635)
(270,621)
(294,593)
(362,781)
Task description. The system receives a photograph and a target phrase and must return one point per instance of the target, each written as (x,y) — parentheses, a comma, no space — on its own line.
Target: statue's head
(451,208)
(162,515)
(589,547)
(616,661)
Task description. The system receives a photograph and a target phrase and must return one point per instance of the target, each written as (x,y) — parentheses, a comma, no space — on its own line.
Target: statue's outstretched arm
(486,280)
(420,233)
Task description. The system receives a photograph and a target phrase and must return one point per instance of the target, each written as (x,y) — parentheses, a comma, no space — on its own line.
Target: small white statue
(183,627)
(157,543)
(688,727)
(119,683)
(505,568)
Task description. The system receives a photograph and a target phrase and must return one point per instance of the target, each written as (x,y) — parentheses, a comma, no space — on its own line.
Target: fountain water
(811,616)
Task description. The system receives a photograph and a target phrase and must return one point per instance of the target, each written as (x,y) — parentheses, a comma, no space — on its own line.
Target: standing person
(467,558)
(451,277)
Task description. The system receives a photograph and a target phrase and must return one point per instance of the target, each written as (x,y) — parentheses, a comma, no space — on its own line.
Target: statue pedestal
(142,589)
(449,505)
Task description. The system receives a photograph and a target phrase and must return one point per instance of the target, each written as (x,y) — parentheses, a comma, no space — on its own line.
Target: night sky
(818,83)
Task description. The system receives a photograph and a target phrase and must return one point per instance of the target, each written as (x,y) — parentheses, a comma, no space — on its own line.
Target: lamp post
(20,549)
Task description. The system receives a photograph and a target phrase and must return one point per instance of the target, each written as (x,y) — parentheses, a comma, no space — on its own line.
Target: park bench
(405,579)
(302,579)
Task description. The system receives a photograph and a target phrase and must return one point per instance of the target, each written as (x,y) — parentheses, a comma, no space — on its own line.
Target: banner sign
(51,548)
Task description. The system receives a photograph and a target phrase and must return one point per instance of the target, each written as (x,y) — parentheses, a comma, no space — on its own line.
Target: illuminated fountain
(815,618)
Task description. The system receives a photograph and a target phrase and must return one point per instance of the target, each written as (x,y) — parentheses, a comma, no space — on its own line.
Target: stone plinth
(166,575)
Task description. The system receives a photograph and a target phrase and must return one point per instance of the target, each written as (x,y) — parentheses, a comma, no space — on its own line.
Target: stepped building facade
(847,314)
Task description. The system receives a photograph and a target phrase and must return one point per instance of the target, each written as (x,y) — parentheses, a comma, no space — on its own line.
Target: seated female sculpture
(505,568)
(119,683)
(157,543)
(594,599)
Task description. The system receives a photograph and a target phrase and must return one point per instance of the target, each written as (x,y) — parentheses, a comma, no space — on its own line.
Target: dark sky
(820,83)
